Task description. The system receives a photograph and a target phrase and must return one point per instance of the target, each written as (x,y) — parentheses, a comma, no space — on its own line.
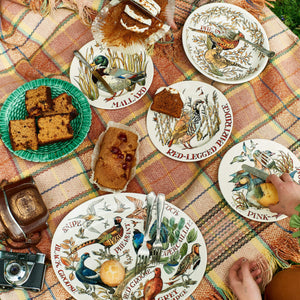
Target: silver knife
(256,172)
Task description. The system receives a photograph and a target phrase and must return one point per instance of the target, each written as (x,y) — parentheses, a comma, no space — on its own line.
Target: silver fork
(157,245)
(143,254)
(265,160)
(236,36)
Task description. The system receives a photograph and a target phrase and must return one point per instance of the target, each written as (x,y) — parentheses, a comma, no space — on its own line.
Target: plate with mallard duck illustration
(202,129)
(207,46)
(95,246)
(128,74)
(245,192)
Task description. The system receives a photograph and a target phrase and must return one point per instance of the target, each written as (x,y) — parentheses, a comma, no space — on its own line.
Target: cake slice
(38,101)
(62,104)
(168,101)
(150,5)
(54,128)
(132,25)
(23,134)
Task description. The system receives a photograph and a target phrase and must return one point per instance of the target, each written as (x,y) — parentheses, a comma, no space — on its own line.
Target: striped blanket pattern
(34,46)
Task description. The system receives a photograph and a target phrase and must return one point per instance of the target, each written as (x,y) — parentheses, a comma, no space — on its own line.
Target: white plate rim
(264,61)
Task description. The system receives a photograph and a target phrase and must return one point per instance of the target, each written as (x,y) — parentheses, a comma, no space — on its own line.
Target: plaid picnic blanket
(33,45)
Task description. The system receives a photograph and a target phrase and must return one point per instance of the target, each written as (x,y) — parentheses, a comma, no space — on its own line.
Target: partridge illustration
(153,286)
(190,260)
(108,238)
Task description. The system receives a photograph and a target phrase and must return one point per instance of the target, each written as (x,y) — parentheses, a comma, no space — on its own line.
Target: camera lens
(16,272)
(14,269)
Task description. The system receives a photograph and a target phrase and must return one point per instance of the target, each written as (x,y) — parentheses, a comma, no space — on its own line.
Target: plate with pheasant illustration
(202,129)
(94,250)
(246,193)
(128,74)
(207,46)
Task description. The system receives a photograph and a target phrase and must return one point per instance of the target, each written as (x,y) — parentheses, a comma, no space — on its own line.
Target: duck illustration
(117,78)
(215,60)
(221,40)
(153,286)
(190,260)
(88,276)
(108,238)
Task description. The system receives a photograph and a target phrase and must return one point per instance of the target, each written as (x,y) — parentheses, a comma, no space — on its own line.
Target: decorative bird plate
(213,54)
(14,109)
(110,227)
(201,131)
(130,76)
(242,190)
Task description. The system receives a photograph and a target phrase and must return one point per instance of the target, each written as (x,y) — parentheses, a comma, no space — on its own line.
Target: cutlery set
(156,203)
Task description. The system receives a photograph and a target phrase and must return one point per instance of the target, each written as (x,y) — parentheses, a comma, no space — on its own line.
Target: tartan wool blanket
(33,45)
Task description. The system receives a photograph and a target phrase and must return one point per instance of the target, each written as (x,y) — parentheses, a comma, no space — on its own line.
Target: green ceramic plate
(14,109)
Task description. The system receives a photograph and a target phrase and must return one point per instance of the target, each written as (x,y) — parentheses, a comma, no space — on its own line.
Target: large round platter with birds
(202,129)
(94,250)
(129,75)
(248,194)
(207,45)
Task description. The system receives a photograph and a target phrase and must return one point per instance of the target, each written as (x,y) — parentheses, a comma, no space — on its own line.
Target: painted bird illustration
(215,60)
(88,276)
(190,260)
(90,217)
(117,78)
(108,238)
(153,286)
(188,126)
(221,40)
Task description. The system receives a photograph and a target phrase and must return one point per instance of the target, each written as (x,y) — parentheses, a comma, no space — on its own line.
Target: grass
(289,13)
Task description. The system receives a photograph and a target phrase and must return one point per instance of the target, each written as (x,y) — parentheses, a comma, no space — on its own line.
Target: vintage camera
(22,270)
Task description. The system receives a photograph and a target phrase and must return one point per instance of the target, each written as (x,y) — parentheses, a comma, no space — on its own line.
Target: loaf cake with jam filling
(38,101)
(23,134)
(116,158)
(54,128)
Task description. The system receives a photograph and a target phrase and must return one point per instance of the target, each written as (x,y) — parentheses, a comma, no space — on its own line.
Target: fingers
(286,177)
(274,179)
(233,272)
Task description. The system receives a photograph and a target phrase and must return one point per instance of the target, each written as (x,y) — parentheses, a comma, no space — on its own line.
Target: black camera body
(22,270)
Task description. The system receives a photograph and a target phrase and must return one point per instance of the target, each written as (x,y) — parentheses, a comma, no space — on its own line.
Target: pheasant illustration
(108,238)
(190,260)
(221,40)
(153,286)
(215,60)
(88,276)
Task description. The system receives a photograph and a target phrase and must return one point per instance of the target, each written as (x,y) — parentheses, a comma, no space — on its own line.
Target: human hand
(170,9)
(244,278)
(288,194)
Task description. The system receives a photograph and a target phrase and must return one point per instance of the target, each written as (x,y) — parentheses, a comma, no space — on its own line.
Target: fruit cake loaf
(62,104)
(23,134)
(54,128)
(168,101)
(38,101)
(116,158)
